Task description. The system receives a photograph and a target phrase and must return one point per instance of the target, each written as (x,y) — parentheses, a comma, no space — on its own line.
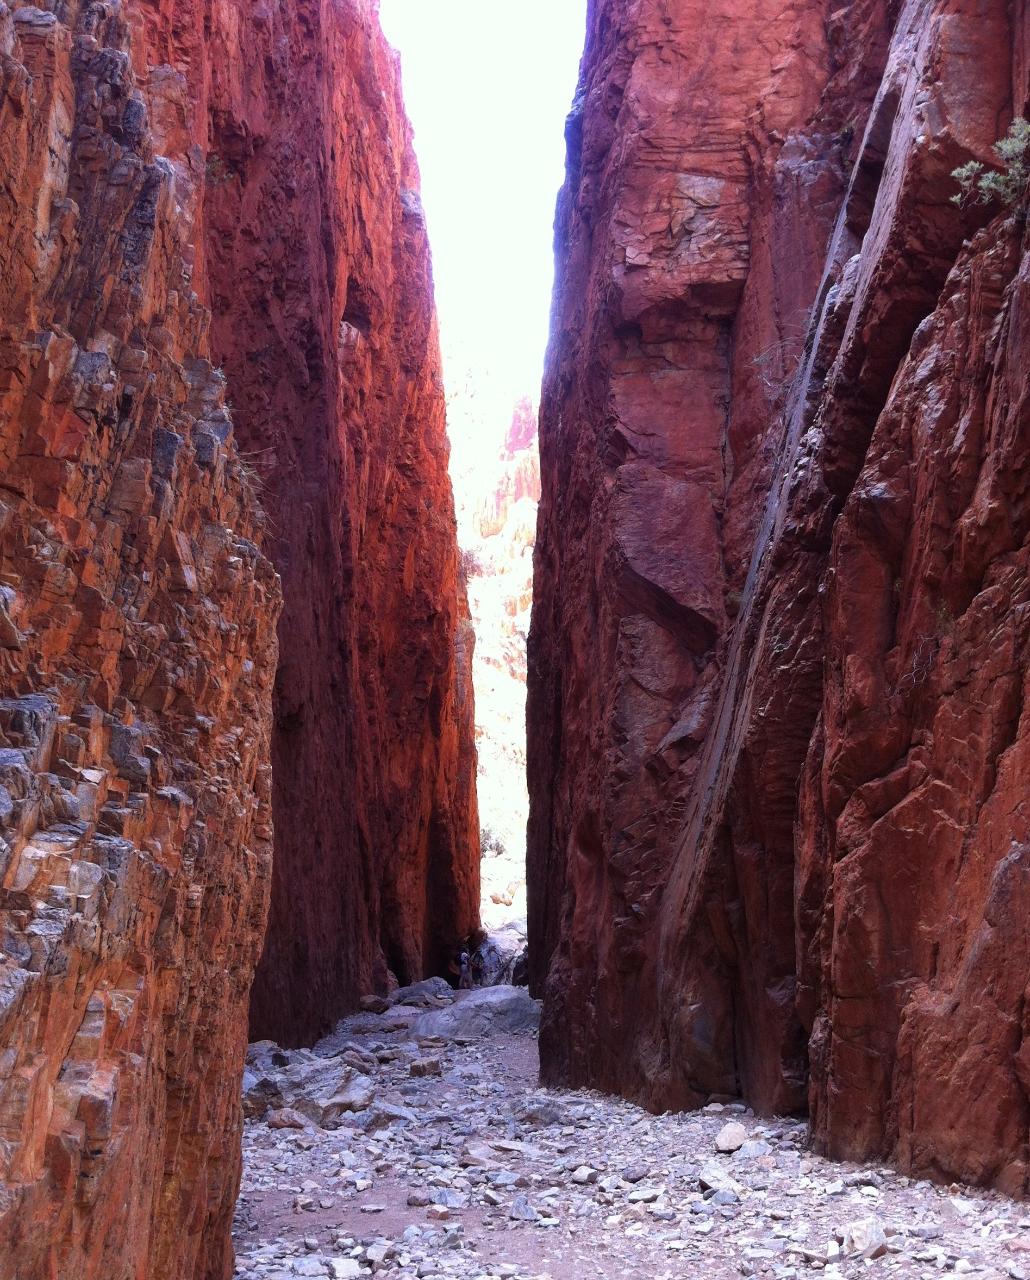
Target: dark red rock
(914,817)
(783,445)
(318,268)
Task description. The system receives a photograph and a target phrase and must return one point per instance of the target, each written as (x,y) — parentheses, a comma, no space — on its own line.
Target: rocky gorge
(777,668)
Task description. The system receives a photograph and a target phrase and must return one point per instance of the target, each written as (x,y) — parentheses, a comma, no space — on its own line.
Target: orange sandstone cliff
(215,303)
(779,839)
(138,654)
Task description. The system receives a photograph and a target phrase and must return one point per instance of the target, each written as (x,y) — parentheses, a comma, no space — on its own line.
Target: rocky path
(415,1143)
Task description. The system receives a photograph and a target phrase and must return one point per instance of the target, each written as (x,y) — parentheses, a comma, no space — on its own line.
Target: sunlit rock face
(500,527)
(779,838)
(137,652)
(214,295)
(319,270)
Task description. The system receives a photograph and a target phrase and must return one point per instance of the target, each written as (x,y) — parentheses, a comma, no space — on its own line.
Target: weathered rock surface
(319,271)
(479,1012)
(778,662)
(159,163)
(137,654)
(502,957)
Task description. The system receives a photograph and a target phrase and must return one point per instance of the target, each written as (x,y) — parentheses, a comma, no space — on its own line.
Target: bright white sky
(488,84)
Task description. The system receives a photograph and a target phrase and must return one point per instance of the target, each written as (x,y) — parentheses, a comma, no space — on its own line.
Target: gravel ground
(416,1146)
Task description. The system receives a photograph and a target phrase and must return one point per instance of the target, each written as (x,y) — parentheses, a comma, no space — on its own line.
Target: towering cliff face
(778,661)
(137,652)
(319,269)
(160,162)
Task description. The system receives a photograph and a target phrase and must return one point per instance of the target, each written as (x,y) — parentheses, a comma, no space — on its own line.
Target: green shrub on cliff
(981,185)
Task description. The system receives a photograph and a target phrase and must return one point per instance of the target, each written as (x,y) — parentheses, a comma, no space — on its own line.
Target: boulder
(482,1012)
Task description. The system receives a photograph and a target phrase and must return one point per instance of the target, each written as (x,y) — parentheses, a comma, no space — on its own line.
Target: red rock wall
(160,162)
(777,845)
(319,270)
(137,654)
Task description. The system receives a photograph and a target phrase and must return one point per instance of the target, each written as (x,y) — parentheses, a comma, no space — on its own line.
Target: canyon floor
(416,1142)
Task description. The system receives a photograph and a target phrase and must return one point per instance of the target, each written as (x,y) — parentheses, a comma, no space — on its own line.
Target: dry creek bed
(416,1143)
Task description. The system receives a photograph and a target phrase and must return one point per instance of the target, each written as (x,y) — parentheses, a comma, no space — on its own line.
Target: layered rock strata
(319,270)
(137,654)
(210,237)
(778,661)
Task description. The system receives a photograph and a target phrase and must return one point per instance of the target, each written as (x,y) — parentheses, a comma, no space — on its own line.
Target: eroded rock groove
(772,829)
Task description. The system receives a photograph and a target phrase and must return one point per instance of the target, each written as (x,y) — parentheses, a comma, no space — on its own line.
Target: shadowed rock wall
(778,658)
(319,267)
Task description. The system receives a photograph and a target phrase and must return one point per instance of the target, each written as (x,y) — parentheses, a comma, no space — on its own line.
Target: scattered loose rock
(467,1170)
(286,1118)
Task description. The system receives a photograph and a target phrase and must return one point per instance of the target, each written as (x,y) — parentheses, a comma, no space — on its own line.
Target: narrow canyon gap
(778,673)
(492,157)
(778,748)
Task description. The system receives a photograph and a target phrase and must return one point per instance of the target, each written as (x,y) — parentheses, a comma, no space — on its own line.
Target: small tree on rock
(981,185)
